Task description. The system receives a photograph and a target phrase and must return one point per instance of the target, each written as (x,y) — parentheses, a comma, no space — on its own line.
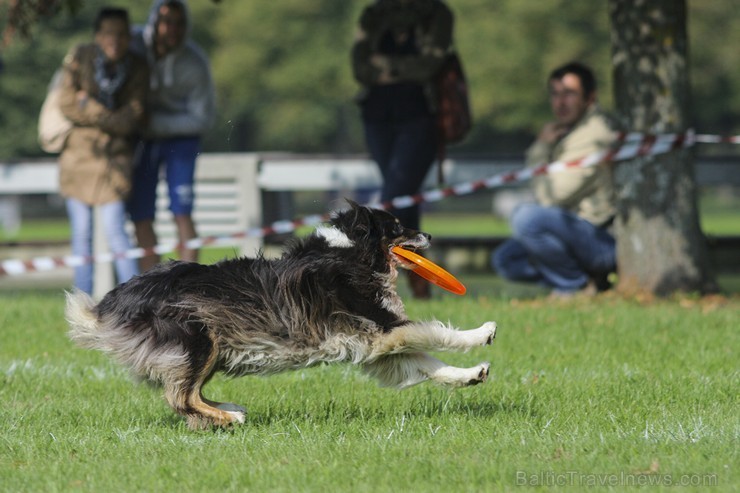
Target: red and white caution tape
(18,267)
(717,139)
(628,146)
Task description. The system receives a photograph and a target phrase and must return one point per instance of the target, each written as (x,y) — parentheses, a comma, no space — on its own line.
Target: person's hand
(82,98)
(384,64)
(552,132)
(137,107)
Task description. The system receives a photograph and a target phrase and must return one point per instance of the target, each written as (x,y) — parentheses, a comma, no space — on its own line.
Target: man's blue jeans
(81,222)
(555,248)
(404,152)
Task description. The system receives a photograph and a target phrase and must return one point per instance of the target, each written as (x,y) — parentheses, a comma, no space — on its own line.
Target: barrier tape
(717,139)
(628,146)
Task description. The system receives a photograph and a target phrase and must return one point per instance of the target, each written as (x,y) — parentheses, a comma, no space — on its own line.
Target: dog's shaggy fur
(331,297)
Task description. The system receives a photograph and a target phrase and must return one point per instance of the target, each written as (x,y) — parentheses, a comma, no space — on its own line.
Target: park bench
(239,191)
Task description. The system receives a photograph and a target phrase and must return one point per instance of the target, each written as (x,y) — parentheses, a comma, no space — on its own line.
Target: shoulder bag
(54,127)
(454,119)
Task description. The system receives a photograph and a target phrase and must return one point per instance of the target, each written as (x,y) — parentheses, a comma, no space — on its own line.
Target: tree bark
(660,245)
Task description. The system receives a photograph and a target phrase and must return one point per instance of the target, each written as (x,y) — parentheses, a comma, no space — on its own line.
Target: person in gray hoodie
(181,110)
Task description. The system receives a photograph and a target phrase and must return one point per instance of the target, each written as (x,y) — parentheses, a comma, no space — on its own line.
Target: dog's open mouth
(415,244)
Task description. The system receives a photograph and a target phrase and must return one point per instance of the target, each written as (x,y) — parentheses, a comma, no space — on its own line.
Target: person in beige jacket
(103,93)
(563,241)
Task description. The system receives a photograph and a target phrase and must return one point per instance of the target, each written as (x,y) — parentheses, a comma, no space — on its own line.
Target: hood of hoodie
(181,97)
(147,34)
(150,28)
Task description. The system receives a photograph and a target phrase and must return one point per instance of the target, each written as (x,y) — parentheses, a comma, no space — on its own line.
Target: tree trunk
(660,246)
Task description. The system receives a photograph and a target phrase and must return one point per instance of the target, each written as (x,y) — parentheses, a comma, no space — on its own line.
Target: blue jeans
(178,156)
(81,221)
(555,248)
(404,152)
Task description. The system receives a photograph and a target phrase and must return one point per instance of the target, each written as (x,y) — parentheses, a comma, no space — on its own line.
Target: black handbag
(454,118)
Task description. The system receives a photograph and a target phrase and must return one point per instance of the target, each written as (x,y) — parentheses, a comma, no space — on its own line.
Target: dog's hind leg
(432,336)
(187,400)
(186,394)
(203,413)
(405,370)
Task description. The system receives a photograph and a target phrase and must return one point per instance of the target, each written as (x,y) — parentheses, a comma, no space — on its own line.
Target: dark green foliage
(284,81)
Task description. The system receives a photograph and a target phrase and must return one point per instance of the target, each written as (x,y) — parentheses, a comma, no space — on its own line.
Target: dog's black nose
(427,236)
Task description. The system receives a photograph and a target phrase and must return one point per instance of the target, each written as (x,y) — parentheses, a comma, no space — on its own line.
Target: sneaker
(588,291)
(601,281)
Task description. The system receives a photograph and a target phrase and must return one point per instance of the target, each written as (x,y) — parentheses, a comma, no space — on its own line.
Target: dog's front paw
(482,376)
(488,333)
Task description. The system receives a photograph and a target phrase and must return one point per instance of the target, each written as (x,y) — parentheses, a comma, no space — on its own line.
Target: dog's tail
(84,328)
(135,349)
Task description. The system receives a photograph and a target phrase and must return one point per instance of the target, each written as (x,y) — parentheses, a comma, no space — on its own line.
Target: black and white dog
(331,297)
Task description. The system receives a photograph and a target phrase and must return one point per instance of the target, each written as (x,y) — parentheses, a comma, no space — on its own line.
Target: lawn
(600,392)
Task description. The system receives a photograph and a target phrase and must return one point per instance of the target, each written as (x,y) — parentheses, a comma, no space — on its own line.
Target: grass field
(600,392)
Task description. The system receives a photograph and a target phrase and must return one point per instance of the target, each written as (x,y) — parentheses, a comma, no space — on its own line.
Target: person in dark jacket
(400,47)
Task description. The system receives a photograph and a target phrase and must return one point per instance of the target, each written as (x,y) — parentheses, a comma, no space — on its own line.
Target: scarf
(109,81)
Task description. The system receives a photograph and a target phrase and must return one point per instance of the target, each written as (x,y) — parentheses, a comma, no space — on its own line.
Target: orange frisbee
(431,271)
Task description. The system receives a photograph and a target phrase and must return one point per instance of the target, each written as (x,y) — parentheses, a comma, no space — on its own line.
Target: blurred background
(284,82)
(284,85)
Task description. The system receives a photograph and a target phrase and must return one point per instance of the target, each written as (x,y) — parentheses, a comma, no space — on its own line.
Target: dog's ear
(361,220)
(354,205)
(356,221)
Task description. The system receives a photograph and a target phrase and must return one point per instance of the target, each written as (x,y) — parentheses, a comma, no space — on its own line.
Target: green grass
(464,224)
(39,230)
(580,392)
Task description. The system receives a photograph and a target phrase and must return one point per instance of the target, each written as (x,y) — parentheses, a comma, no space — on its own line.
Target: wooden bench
(225,186)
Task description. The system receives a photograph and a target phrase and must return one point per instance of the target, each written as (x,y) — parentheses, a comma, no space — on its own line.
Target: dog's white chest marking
(334,237)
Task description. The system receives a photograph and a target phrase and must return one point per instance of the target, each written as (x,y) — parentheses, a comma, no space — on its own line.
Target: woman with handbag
(103,93)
